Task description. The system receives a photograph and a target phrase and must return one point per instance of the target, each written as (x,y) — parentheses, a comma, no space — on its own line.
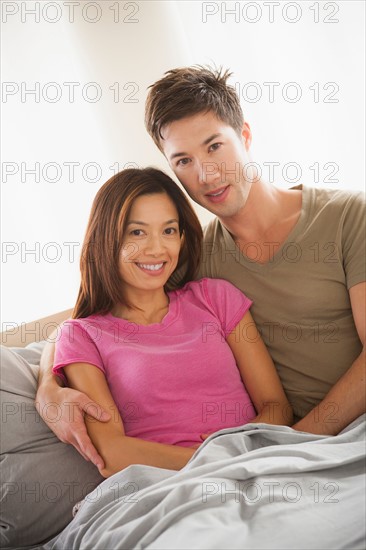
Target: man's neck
(269,215)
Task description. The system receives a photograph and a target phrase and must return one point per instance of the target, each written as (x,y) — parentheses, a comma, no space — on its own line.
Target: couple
(160,368)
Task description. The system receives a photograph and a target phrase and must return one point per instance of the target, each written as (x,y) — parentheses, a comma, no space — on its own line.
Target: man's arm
(63,408)
(32,331)
(347,399)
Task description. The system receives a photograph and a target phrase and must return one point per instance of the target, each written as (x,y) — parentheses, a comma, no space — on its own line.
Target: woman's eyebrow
(144,223)
(136,222)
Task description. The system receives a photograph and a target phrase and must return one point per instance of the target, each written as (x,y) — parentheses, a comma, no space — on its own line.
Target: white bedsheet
(255,487)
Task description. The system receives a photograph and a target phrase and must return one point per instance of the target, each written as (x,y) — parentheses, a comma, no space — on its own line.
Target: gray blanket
(255,487)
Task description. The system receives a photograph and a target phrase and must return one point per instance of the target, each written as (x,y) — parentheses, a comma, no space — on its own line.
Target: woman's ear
(182,237)
(182,257)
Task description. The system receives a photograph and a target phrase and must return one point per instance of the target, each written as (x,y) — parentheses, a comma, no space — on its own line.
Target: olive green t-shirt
(301,299)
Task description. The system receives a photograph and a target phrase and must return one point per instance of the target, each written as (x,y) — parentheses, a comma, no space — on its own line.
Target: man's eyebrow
(206,142)
(137,222)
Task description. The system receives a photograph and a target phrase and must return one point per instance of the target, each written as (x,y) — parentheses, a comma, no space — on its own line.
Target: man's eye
(214,146)
(183,162)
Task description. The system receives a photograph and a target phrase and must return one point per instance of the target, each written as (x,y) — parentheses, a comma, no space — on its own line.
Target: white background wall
(310,54)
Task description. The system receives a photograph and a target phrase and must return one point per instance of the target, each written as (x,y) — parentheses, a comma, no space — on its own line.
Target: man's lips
(219,194)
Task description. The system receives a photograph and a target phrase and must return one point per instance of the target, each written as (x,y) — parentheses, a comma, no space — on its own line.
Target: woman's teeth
(154,267)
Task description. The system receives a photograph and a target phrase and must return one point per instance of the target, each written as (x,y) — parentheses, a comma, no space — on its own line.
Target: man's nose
(208,172)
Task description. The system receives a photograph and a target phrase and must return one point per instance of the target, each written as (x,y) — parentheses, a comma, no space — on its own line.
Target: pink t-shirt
(173,380)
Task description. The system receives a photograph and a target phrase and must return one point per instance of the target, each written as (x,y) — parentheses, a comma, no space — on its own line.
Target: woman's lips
(152,270)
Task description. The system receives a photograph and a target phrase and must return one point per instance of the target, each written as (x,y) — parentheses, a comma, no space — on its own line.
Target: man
(299,254)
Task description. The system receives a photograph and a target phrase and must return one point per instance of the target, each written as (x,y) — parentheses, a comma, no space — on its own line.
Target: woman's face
(151,243)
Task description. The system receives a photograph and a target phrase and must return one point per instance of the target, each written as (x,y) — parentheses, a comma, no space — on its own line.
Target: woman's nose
(154,246)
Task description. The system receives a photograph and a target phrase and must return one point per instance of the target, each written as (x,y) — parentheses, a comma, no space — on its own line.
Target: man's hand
(63,409)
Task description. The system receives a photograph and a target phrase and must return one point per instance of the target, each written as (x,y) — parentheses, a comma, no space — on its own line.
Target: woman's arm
(259,374)
(118,450)
(65,415)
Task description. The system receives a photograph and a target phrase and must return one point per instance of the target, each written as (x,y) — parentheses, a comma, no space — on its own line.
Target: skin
(202,150)
(207,155)
(152,239)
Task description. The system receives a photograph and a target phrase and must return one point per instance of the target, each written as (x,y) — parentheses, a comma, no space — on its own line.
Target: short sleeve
(228,302)
(77,343)
(354,240)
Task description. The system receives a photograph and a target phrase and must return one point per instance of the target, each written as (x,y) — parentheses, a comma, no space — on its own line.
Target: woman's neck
(152,307)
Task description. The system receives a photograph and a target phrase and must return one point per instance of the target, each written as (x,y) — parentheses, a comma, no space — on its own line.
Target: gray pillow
(41,477)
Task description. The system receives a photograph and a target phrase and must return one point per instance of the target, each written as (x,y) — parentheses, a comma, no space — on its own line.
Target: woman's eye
(170,230)
(136,232)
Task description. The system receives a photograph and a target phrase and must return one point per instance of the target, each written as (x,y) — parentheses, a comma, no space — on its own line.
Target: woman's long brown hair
(101,285)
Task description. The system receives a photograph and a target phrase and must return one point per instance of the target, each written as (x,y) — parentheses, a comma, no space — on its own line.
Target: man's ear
(247,135)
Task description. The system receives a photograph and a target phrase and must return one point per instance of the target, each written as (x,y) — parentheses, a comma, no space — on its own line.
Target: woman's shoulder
(94,320)
(222,299)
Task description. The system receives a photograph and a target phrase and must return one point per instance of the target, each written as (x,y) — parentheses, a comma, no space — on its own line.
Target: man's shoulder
(212,231)
(335,197)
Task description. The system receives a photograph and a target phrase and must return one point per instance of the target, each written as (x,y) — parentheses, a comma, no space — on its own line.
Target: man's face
(209,159)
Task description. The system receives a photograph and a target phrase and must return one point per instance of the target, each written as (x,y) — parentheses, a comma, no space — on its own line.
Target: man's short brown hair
(188,91)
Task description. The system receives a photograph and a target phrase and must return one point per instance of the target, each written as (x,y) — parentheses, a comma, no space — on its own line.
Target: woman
(168,365)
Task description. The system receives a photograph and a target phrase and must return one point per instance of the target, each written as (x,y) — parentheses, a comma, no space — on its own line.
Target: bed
(256,486)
